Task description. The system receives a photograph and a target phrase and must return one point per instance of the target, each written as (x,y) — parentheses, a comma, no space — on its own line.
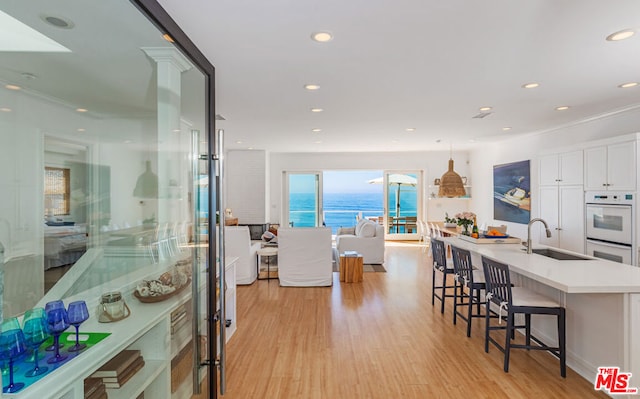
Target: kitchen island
(602,299)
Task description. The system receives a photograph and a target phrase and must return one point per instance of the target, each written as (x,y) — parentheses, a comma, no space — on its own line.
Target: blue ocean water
(341,209)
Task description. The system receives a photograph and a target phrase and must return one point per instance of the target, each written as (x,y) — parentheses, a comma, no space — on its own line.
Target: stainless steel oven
(609,225)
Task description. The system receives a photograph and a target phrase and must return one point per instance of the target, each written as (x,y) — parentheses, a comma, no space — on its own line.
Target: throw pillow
(346,230)
(268,236)
(359,225)
(368,230)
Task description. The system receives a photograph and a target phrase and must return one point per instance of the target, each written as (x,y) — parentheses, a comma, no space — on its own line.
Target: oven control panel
(608,197)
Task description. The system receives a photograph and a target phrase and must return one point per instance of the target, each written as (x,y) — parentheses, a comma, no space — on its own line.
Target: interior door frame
(285,195)
(419,202)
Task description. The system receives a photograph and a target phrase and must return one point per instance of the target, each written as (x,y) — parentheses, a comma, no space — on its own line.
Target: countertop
(571,276)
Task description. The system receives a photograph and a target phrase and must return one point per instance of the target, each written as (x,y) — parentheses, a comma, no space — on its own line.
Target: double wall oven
(609,225)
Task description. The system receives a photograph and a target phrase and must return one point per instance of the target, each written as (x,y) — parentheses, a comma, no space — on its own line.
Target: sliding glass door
(303,204)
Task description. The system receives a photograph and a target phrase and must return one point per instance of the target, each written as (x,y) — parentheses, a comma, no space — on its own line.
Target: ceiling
(422,64)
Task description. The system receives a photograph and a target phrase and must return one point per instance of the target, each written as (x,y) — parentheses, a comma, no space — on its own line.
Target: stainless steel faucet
(529,232)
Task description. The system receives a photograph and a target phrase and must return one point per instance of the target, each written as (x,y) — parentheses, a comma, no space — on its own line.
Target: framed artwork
(512,192)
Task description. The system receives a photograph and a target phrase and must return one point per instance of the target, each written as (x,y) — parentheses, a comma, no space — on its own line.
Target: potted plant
(449,222)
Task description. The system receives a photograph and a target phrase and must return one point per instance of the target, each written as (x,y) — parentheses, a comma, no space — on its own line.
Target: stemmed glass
(77,313)
(47,308)
(12,346)
(57,322)
(35,333)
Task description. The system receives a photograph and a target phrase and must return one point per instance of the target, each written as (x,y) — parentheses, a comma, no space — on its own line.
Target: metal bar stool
(440,264)
(472,279)
(519,300)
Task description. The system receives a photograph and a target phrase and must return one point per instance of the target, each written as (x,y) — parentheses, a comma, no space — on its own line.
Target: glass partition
(94,98)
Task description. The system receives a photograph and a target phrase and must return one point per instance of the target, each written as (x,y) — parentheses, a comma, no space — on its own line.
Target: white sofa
(237,243)
(304,257)
(367,238)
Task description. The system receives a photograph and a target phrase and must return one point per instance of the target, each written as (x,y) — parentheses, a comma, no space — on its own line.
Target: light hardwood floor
(378,339)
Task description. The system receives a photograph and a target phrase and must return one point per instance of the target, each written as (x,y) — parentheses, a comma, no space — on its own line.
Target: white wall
(432,163)
(518,149)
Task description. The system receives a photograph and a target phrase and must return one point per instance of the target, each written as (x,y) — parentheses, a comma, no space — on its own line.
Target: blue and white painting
(512,192)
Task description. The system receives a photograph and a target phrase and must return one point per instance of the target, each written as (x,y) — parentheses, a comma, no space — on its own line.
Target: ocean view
(340,209)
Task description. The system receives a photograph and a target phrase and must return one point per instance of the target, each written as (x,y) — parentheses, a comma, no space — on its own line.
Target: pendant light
(451,182)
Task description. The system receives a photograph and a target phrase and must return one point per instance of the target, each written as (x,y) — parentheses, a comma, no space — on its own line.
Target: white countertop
(571,276)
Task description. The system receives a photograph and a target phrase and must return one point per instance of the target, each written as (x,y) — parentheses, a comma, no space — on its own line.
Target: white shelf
(138,383)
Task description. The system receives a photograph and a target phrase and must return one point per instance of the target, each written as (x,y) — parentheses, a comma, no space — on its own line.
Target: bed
(64,245)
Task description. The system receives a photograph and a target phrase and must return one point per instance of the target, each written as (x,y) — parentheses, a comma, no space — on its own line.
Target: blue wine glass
(47,308)
(57,322)
(12,346)
(35,334)
(77,313)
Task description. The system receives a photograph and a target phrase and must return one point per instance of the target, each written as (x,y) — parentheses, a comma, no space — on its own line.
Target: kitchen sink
(552,253)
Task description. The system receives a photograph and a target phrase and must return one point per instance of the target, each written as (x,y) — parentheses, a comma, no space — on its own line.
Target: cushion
(359,225)
(346,230)
(268,236)
(367,230)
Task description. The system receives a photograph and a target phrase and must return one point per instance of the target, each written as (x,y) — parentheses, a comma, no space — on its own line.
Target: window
(56,191)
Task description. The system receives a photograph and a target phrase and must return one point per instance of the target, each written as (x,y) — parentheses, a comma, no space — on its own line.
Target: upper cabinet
(561,169)
(611,167)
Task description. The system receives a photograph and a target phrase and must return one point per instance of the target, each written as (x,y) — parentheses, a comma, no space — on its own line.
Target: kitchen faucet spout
(546,226)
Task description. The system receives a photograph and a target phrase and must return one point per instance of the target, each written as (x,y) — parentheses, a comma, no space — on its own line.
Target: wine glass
(12,346)
(57,322)
(77,313)
(35,333)
(47,308)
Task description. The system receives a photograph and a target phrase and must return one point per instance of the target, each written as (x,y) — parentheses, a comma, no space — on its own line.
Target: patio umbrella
(400,180)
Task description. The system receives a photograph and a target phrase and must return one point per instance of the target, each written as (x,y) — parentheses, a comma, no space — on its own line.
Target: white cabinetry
(562,207)
(563,169)
(611,167)
(561,194)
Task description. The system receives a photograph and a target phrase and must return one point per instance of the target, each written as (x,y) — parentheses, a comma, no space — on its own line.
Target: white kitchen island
(602,299)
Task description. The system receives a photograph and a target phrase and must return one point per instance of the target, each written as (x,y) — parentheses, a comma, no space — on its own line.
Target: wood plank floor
(378,339)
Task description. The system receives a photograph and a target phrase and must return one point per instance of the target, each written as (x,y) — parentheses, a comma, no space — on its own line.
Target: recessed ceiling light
(316,130)
(82,129)
(531,85)
(13,87)
(506,128)
(485,109)
(239,142)
(81,109)
(127,141)
(311,86)
(322,37)
(627,85)
(250,148)
(176,130)
(562,108)
(317,109)
(168,38)
(621,35)
(5,109)
(317,142)
(58,22)
(410,129)
(472,140)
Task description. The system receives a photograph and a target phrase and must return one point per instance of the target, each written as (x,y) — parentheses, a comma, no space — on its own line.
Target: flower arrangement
(465,219)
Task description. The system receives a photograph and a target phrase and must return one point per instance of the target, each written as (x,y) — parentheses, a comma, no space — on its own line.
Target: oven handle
(609,244)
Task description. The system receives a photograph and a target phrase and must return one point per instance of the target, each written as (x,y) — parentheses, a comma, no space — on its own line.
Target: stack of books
(179,317)
(117,371)
(94,389)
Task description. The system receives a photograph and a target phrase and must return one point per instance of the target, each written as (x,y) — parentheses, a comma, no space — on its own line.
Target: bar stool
(466,277)
(519,300)
(440,264)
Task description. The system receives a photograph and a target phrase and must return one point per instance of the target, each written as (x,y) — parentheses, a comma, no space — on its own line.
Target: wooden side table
(351,268)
